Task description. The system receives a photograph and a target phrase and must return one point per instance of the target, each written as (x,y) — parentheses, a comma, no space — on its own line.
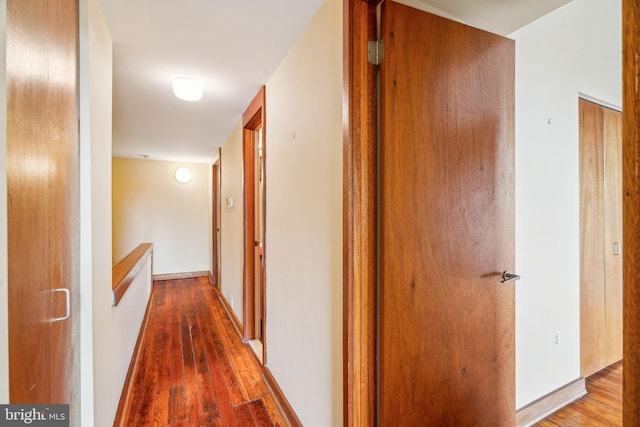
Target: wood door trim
(250,117)
(254,116)
(215,220)
(631,200)
(249,235)
(359,215)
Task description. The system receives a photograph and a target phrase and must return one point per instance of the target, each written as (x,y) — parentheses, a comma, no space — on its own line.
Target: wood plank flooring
(601,406)
(194,369)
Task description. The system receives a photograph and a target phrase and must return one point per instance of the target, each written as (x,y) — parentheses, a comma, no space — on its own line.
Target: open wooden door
(447,347)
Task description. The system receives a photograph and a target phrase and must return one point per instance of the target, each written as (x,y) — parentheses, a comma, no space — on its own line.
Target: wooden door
(613,232)
(43,216)
(447,223)
(600,237)
(215,184)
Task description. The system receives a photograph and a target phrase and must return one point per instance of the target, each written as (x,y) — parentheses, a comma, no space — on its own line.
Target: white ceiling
(233,46)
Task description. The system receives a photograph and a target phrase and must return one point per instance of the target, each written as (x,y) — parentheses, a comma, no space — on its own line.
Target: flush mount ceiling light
(183,175)
(187,88)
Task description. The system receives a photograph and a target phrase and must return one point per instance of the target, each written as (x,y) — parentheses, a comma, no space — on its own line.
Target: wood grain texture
(601,406)
(217,217)
(28,204)
(359,218)
(253,118)
(600,229)
(43,207)
(592,275)
(128,268)
(631,201)
(447,338)
(613,234)
(193,367)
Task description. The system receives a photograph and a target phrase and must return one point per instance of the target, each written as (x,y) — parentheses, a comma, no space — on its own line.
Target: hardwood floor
(601,406)
(193,368)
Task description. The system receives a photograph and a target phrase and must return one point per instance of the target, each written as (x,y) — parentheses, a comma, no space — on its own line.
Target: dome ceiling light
(187,88)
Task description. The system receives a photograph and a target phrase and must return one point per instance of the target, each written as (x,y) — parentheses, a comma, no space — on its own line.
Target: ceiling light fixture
(183,175)
(187,88)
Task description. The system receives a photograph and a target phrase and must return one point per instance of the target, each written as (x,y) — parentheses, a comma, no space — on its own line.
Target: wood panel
(592,277)
(600,237)
(613,234)
(28,166)
(631,201)
(447,329)
(62,111)
(43,216)
(359,217)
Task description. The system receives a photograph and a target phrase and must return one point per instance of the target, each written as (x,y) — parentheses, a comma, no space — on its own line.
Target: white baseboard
(175,276)
(547,405)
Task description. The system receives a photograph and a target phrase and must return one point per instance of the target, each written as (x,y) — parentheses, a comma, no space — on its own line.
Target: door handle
(508,276)
(68,305)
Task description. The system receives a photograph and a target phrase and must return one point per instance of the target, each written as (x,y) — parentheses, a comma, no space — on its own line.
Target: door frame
(631,200)
(359,215)
(216,172)
(253,118)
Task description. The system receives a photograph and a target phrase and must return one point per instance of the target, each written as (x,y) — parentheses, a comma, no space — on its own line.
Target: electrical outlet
(231,302)
(556,339)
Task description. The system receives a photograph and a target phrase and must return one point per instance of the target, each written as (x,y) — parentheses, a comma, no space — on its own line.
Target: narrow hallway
(193,369)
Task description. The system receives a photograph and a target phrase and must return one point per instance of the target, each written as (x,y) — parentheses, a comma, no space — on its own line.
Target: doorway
(216,206)
(254,154)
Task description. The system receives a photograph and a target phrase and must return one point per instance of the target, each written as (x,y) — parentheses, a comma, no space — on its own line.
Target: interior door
(447,353)
(215,173)
(43,208)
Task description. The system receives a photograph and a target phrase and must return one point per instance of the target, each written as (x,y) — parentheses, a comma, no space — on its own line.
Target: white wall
(101,379)
(4,320)
(576,49)
(149,205)
(304,221)
(231,231)
(125,320)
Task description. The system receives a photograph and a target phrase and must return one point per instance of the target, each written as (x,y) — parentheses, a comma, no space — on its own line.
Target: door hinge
(375,51)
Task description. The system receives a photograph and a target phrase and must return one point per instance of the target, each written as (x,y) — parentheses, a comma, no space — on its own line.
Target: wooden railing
(126,270)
